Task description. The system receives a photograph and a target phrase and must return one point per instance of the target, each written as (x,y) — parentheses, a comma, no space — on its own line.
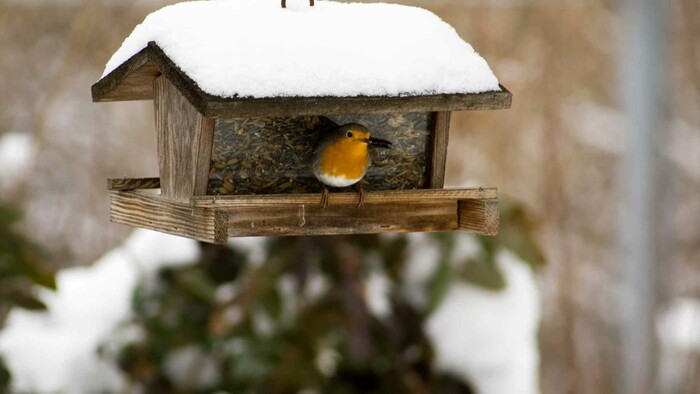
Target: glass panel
(274,155)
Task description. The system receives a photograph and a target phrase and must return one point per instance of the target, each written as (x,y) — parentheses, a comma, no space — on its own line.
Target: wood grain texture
(479,216)
(125,184)
(311,219)
(388,196)
(140,86)
(437,155)
(271,217)
(184,143)
(133,80)
(292,106)
(151,211)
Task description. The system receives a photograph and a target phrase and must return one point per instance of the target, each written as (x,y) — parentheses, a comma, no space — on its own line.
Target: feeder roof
(226,51)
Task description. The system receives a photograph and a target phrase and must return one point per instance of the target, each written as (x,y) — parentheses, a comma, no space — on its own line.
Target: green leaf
(43,278)
(483,273)
(271,302)
(5,377)
(196,283)
(23,299)
(19,257)
(517,233)
(393,250)
(438,285)
(446,240)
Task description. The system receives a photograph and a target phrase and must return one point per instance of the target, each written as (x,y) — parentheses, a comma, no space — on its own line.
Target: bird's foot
(361,195)
(324,197)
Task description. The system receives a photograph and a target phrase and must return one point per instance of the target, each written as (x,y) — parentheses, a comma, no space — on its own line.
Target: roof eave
(133,80)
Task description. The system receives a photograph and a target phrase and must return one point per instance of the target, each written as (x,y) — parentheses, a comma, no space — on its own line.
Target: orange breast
(346,158)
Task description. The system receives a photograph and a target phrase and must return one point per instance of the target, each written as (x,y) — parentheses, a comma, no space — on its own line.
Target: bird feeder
(234,152)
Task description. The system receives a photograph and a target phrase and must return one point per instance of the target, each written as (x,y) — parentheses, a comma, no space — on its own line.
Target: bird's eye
(349,134)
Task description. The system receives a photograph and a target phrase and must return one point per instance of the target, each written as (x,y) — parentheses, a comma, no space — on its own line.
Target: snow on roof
(255,48)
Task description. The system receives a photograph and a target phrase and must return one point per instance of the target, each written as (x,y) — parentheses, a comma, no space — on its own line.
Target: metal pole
(641,72)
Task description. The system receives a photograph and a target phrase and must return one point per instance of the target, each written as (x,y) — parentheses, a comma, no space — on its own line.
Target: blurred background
(551,282)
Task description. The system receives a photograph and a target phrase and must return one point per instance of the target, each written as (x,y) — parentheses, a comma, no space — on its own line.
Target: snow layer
(678,330)
(254,48)
(678,327)
(56,351)
(490,337)
(17,152)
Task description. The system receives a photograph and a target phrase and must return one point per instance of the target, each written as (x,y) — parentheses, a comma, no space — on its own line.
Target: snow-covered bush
(400,313)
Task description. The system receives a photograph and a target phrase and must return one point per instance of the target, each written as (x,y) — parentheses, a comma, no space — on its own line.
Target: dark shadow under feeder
(242,166)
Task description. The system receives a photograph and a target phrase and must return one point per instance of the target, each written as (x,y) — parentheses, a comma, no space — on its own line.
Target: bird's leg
(324,197)
(360,194)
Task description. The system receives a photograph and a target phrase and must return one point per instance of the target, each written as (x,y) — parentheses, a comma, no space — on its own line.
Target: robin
(341,158)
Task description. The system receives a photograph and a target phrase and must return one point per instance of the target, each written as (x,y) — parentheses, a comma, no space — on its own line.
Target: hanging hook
(284,3)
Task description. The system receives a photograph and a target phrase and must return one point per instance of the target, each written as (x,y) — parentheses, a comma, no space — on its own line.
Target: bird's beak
(380,143)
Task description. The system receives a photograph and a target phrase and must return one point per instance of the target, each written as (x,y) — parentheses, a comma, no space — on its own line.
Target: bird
(341,158)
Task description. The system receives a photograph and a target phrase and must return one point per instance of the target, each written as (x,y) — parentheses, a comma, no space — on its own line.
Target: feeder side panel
(184,143)
(437,149)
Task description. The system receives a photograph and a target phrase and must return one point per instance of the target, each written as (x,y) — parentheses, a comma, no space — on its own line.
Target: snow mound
(490,337)
(678,331)
(678,327)
(56,350)
(255,48)
(17,153)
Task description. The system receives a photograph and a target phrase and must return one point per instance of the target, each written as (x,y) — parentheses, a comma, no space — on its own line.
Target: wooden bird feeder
(241,166)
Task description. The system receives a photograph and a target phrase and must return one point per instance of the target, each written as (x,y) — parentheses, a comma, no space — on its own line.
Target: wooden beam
(264,216)
(479,216)
(151,211)
(387,196)
(296,106)
(185,140)
(125,184)
(311,219)
(133,80)
(437,151)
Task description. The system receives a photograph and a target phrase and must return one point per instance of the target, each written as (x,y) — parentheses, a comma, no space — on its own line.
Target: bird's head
(357,133)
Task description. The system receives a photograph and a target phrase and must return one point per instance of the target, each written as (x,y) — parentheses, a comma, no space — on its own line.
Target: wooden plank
(184,143)
(479,216)
(297,106)
(386,196)
(305,219)
(140,86)
(151,211)
(203,160)
(437,153)
(125,184)
(133,80)
(220,226)
(155,212)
